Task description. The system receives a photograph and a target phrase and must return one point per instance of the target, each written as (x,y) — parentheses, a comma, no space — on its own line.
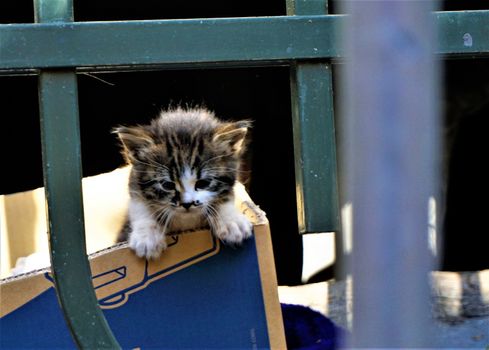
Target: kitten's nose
(187,205)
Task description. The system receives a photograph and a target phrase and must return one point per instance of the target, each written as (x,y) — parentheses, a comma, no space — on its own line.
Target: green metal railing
(56,48)
(223,42)
(314,152)
(61,149)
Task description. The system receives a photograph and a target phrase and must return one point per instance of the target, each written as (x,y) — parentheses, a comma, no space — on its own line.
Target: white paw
(147,243)
(234,229)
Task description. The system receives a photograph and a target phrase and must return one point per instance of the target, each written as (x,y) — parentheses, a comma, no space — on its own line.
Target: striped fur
(184,166)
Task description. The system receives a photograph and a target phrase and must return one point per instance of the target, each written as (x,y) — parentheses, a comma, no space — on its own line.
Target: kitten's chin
(187,219)
(190,211)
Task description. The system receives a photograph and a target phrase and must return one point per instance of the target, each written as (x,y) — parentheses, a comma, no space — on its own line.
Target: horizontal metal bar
(463,33)
(203,42)
(174,42)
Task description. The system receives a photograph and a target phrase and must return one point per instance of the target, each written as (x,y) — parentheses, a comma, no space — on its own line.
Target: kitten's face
(182,177)
(184,162)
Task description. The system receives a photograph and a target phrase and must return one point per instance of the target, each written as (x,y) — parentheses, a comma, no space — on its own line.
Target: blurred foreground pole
(391,132)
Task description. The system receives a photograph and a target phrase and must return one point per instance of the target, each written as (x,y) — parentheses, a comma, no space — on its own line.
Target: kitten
(184,166)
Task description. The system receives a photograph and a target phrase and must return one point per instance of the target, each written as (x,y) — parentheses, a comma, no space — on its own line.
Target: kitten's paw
(234,230)
(147,244)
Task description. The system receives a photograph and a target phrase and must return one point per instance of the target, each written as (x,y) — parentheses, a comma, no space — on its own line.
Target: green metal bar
(306,7)
(170,42)
(314,148)
(53,11)
(204,42)
(314,138)
(464,33)
(58,101)
(62,180)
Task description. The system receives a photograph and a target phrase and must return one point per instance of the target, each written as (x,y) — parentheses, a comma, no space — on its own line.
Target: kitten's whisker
(221,182)
(135,193)
(149,173)
(158,207)
(213,217)
(216,157)
(227,170)
(154,179)
(157,212)
(152,163)
(220,169)
(163,217)
(168,219)
(145,182)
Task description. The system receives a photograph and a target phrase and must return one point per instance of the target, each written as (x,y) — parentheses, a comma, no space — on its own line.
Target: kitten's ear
(233,134)
(135,139)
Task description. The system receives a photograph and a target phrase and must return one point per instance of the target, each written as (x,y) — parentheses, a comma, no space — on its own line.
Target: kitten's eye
(202,184)
(168,185)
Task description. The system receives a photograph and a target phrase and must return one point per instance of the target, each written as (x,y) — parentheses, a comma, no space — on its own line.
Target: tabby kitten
(184,166)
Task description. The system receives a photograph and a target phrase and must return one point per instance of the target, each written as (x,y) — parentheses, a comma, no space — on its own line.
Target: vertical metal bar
(314,136)
(53,11)
(62,179)
(392,120)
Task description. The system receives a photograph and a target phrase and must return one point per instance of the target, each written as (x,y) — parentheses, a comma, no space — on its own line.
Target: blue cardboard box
(199,294)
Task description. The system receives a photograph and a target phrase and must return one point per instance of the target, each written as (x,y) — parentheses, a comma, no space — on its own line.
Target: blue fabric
(307,329)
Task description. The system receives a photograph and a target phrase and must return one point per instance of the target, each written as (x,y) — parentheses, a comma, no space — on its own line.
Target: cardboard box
(23,225)
(199,294)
